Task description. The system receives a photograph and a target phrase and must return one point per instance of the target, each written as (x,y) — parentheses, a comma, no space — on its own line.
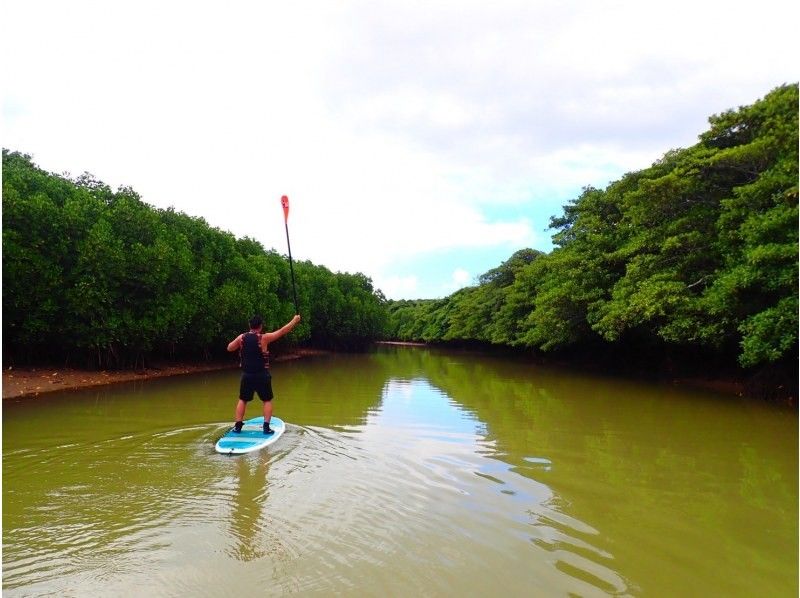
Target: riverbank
(33,381)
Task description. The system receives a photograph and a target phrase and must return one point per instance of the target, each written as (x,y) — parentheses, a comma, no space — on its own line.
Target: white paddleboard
(251,438)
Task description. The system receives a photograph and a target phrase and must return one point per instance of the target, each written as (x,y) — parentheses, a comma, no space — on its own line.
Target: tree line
(96,277)
(700,250)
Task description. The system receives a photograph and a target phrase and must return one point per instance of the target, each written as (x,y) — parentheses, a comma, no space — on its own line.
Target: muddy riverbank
(33,381)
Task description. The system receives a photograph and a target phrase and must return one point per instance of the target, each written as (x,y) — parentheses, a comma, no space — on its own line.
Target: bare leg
(240,407)
(267,411)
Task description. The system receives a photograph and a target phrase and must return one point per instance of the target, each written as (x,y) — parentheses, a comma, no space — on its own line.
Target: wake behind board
(251,438)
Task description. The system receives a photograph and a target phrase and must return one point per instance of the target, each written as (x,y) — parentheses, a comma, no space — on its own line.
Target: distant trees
(98,277)
(700,249)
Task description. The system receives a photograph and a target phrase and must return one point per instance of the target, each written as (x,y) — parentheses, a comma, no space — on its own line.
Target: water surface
(407,471)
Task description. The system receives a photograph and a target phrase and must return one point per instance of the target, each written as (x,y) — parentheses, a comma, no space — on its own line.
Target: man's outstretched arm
(276,334)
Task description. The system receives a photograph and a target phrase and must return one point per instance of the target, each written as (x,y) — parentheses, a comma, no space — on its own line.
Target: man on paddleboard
(253,350)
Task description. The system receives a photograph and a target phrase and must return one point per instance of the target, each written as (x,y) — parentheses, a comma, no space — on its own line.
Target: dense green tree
(34,239)
(755,291)
(699,250)
(712,256)
(98,276)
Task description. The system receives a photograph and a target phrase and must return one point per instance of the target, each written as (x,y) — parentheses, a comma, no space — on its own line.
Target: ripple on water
(343,502)
(318,510)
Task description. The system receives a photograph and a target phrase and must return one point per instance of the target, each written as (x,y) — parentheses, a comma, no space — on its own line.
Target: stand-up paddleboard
(251,438)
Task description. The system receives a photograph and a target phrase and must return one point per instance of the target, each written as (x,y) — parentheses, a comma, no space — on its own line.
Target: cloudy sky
(420,143)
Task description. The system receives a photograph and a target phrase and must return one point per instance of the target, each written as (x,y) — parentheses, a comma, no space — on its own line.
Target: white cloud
(461,277)
(399,130)
(398,287)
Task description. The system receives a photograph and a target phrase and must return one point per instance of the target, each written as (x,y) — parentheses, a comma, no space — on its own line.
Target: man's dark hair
(255,322)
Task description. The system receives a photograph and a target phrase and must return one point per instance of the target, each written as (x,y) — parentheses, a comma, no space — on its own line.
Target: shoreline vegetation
(29,382)
(689,265)
(687,269)
(32,382)
(731,384)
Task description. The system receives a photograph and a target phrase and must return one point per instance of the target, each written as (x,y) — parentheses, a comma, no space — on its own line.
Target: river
(406,471)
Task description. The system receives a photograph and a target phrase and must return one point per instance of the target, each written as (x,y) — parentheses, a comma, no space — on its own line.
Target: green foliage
(94,275)
(346,311)
(699,249)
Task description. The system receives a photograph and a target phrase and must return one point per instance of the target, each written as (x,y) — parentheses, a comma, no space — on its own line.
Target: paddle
(285,204)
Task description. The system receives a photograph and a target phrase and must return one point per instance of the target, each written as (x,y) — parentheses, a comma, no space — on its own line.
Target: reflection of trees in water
(635,459)
(622,429)
(341,387)
(449,391)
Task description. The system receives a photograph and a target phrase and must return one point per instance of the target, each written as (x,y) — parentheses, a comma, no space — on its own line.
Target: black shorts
(260,383)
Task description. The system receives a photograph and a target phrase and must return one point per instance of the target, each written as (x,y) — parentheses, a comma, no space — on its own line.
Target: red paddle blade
(285,204)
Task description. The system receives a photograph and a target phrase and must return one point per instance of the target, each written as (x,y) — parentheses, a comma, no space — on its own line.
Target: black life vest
(251,358)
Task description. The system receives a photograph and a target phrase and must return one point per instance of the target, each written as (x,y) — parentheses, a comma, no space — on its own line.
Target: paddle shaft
(291,267)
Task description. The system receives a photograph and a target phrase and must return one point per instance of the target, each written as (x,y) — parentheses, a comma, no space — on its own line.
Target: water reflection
(664,475)
(402,472)
(248,526)
(468,481)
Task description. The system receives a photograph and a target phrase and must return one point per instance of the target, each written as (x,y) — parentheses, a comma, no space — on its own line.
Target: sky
(420,143)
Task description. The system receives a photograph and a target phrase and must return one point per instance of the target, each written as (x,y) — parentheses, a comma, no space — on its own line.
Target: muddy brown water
(407,471)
